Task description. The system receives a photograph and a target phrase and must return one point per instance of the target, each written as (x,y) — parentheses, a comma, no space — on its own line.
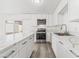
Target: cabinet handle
(73,53)
(9,54)
(24,42)
(30,38)
(60,42)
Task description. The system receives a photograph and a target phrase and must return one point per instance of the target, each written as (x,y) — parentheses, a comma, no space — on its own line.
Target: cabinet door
(54,44)
(11,52)
(23,52)
(30,48)
(62,52)
(23,49)
(48,36)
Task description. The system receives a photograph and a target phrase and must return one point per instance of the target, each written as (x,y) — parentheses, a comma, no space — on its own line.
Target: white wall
(2,28)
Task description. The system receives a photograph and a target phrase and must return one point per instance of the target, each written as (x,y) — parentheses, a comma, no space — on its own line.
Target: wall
(2,28)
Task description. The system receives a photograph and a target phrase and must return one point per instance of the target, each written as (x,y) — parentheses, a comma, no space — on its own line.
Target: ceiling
(28,6)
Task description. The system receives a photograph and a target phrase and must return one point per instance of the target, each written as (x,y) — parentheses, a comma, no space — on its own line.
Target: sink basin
(63,34)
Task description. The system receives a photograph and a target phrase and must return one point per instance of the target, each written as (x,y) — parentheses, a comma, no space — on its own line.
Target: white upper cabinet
(61,12)
(73,17)
(63,15)
(73,9)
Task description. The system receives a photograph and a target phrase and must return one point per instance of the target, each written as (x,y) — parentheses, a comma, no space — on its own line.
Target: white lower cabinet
(30,49)
(26,49)
(54,44)
(22,49)
(22,52)
(62,52)
(10,52)
(60,49)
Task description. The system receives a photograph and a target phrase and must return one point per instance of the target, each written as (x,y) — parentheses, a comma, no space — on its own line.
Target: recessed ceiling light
(39,2)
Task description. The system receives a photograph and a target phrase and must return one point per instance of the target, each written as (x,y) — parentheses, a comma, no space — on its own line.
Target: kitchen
(39,29)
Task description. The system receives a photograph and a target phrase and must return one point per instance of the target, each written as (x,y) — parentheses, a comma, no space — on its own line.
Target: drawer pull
(9,54)
(60,42)
(24,42)
(30,38)
(73,53)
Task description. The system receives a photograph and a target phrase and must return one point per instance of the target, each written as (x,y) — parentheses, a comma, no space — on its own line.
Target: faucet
(65,27)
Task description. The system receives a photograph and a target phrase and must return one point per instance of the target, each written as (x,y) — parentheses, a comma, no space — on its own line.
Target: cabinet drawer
(10,52)
(62,51)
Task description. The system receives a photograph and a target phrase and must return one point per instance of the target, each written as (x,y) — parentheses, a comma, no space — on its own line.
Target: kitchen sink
(63,34)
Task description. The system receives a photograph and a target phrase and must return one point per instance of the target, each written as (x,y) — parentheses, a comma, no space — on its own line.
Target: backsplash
(73,28)
(56,29)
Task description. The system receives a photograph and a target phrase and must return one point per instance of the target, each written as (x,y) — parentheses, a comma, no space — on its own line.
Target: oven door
(41,36)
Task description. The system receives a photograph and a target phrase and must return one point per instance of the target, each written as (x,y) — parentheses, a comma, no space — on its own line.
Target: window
(18,26)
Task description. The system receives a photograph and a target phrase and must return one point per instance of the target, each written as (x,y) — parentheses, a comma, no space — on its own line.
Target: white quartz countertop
(7,43)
